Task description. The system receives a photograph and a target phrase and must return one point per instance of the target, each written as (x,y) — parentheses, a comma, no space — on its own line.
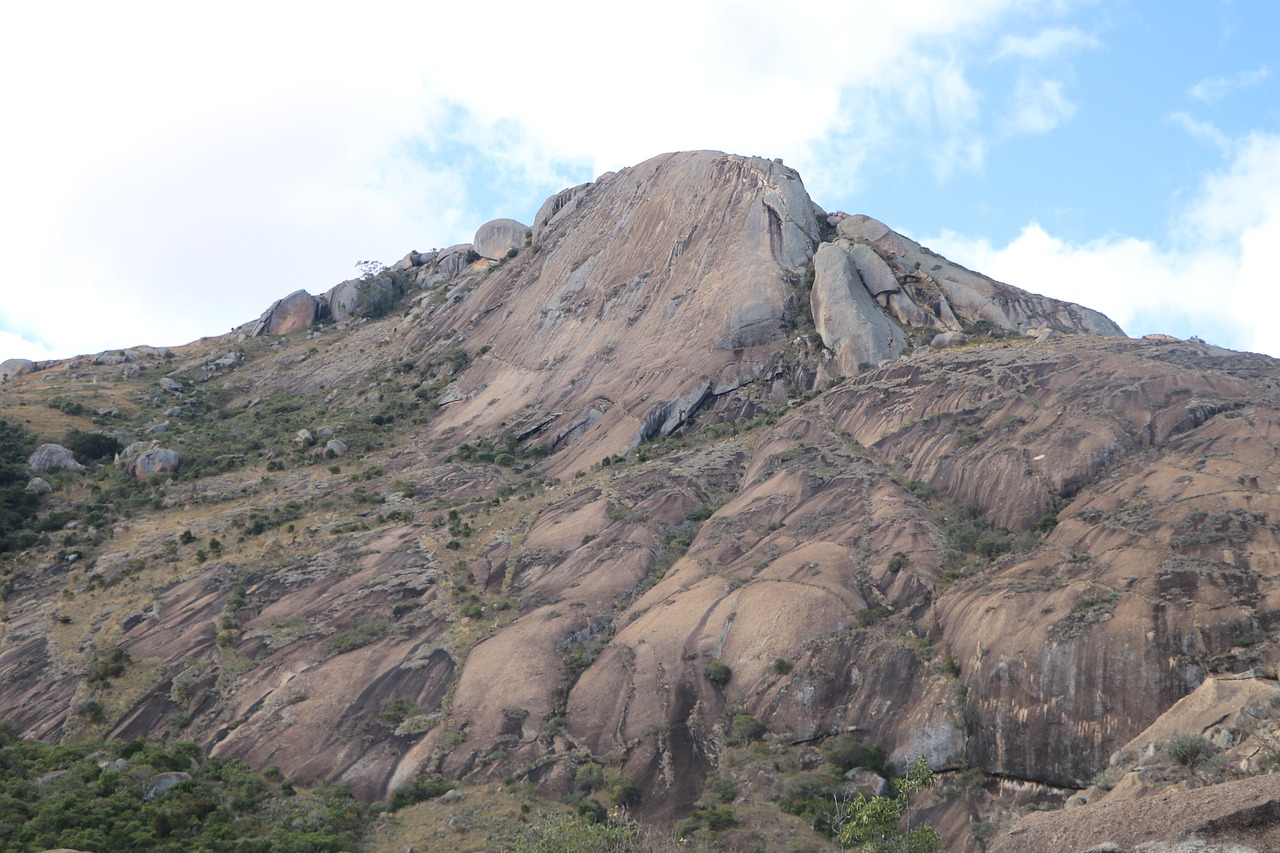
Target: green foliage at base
(96,795)
(573,834)
(17,505)
(871,824)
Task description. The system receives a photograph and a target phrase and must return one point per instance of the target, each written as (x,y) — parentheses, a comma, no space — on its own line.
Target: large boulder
(13,367)
(495,239)
(875,273)
(360,297)
(53,457)
(847,317)
(294,313)
(157,460)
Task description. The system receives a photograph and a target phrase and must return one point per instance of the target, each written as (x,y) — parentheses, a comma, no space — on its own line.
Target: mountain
(686,465)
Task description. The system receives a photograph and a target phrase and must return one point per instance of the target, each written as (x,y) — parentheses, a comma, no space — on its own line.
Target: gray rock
(155,461)
(110,358)
(53,457)
(556,208)
(948,339)
(160,427)
(173,411)
(496,238)
(39,485)
(963,296)
(12,368)
(850,322)
(875,273)
(131,371)
(351,298)
(170,384)
(107,412)
(868,782)
(451,796)
(304,437)
(165,781)
(453,260)
(336,446)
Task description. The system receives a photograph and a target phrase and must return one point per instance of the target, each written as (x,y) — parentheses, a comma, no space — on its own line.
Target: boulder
(39,485)
(359,297)
(498,237)
(336,446)
(850,322)
(15,367)
(53,457)
(874,272)
(155,461)
(304,437)
(948,339)
(453,260)
(288,315)
(170,384)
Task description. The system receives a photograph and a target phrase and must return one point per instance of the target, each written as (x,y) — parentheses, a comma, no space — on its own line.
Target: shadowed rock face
(877,556)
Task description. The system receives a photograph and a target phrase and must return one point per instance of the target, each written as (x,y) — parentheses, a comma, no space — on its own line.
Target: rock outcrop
(145,459)
(293,313)
(954,295)
(845,312)
(52,457)
(576,480)
(497,238)
(12,368)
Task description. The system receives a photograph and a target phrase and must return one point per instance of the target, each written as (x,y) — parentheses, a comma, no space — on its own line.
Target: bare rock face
(52,457)
(620,501)
(636,260)
(11,368)
(845,312)
(496,238)
(559,205)
(959,293)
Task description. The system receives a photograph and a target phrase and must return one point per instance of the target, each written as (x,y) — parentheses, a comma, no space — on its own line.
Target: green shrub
(845,753)
(718,673)
(1189,750)
(90,447)
(747,728)
(780,666)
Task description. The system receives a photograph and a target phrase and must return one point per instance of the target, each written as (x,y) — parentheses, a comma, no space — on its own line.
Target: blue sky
(175,170)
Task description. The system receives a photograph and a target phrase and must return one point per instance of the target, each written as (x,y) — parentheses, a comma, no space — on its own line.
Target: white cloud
(1203,131)
(1215,88)
(1214,275)
(1046,44)
(1037,107)
(179,167)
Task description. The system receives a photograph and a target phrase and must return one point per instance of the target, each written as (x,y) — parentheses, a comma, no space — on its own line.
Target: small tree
(871,824)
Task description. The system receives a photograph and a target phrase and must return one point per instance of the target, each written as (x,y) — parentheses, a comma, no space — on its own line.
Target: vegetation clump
(170,798)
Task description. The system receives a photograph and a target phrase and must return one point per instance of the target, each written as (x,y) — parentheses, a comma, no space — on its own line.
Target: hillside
(687,481)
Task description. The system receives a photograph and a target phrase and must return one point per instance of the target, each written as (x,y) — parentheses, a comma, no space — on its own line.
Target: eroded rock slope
(686,456)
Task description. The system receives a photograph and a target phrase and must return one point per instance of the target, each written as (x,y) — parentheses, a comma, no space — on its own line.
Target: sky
(167,170)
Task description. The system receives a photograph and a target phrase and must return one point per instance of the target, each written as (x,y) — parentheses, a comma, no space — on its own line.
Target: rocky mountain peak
(685,463)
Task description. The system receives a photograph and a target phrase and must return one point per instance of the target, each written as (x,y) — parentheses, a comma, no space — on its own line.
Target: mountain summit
(685,465)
